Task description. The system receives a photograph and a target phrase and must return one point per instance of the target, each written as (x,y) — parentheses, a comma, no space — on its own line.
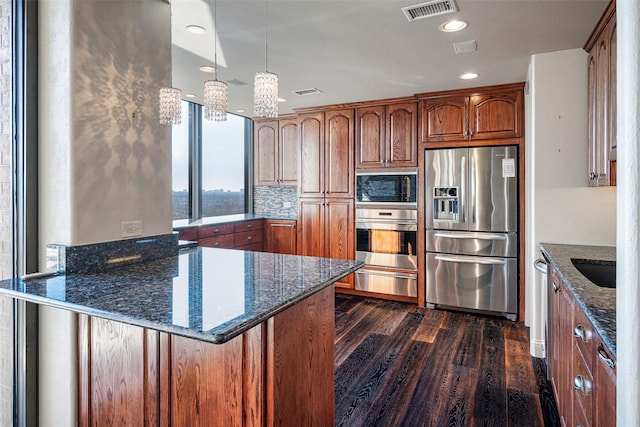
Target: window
(209,165)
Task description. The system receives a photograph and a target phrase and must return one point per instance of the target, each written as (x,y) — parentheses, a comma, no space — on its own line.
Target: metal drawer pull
(249,237)
(216,230)
(555,287)
(579,332)
(471,260)
(249,225)
(216,244)
(579,383)
(602,355)
(474,237)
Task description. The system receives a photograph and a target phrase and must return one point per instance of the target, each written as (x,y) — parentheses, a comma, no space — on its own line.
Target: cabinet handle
(579,332)
(592,176)
(555,288)
(216,230)
(249,225)
(579,383)
(471,133)
(249,237)
(466,133)
(602,355)
(216,244)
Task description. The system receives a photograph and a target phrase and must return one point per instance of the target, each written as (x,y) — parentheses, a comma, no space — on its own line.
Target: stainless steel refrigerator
(471,209)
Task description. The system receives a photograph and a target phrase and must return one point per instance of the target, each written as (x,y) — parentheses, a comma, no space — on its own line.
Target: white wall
(104,156)
(561,208)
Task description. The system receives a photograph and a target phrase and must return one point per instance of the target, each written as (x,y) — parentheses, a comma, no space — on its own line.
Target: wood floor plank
(347,373)
(467,348)
(352,413)
(491,391)
(429,326)
(519,405)
(357,313)
(518,361)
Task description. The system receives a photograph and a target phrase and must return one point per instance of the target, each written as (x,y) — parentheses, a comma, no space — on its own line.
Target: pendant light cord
(266,68)
(215,38)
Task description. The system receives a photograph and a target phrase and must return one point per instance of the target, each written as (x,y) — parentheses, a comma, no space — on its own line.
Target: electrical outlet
(286,204)
(131,228)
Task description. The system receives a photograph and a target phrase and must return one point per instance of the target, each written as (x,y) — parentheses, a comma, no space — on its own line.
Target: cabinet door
(599,151)
(311,226)
(339,164)
(611,104)
(445,119)
(311,132)
(370,136)
(288,151)
(604,383)
(495,116)
(266,153)
(592,77)
(340,233)
(402,138)
(280,237)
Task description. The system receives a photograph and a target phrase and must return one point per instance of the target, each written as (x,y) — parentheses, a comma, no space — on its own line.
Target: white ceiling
(358,50)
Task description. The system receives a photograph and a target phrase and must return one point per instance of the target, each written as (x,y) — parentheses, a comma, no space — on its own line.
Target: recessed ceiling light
(189,95)
(196,29)
(240,110)
(453,26)
(468,76)
(282,100)
(208,68)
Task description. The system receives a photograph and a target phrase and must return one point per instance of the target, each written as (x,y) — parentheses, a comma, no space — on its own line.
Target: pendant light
(265,85)
(170,111)
(215,91)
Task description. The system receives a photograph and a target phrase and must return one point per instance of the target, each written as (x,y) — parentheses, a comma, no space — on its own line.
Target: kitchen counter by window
(225,219)
(208,294)
(599,304)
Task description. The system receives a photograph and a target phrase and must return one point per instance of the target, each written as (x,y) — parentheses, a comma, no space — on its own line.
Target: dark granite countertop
(599,304)
(225,219)
(204,293)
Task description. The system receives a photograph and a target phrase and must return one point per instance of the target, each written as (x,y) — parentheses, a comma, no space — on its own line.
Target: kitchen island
(207,337)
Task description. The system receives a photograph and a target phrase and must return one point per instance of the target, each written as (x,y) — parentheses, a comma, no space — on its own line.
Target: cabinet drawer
(224,241)
(251,247)
(248,226)
(584,336)
(248,237)
(188,234)
(581,376)
(215,230)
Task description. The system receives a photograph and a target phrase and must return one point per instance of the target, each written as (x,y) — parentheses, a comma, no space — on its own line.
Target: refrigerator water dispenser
(445,203)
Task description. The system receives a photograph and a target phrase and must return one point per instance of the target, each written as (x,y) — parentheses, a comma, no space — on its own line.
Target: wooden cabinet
(246,235)
(602,99)
(386,136)
(326,154)
(129,375)
(327,229)
(485,114)
(280,236)
(276,152)
(582,368)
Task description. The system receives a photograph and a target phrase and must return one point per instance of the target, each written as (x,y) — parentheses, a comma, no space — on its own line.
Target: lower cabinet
(133,376)
(246,235)
(582,367)
(326,228)
(280,236)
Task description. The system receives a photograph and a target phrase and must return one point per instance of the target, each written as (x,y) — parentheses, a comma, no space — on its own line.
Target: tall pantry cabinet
(326,204)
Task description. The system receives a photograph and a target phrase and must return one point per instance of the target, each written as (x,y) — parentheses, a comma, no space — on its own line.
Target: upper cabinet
(276,152)
(386,136)
(602,100)
(326,154)
(486,113)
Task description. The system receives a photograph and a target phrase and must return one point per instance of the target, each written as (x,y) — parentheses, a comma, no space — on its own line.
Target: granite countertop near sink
(204,293)
(599,304)
(226,219)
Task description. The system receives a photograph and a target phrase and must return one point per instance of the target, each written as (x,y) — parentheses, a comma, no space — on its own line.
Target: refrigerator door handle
(463,190)
(472,188)
(471,260)
(475,236)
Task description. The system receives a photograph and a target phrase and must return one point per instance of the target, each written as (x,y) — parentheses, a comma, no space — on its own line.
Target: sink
(601,273)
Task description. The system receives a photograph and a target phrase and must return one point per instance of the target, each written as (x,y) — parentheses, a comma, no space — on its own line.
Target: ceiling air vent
(311,91)
(236,82)
(429,9)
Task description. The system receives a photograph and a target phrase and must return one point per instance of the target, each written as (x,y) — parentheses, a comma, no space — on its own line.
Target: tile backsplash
(278,201)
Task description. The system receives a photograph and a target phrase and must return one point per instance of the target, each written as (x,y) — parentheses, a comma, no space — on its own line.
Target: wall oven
(386,241)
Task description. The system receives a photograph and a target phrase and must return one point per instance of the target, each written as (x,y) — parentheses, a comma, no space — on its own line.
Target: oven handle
(387,225)
(475,236)
(471,260)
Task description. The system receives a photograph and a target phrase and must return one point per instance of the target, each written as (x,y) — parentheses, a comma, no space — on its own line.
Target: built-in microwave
(396,187)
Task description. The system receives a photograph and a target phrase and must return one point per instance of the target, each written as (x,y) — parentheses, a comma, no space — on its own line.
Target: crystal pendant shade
(170,106)
(215,100)
(265,94)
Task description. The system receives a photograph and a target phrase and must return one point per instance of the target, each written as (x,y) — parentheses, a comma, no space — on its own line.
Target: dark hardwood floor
(400,365)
